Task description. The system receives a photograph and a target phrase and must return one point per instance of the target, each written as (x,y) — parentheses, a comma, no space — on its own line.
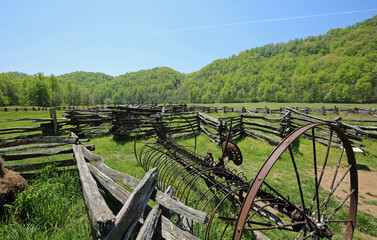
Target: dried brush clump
(11,183)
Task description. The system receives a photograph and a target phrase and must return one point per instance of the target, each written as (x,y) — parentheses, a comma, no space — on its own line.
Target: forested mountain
(39,90)
(157,85)
(86,79)
(339,66)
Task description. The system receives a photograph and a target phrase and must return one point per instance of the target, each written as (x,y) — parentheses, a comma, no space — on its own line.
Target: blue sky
(116,37)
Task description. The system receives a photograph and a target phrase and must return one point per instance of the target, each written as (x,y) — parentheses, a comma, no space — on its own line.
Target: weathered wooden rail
(48,126)
(274,127)
(84,122)
(92,169)
(268,124)
(40,108)
(322,110)
(128,122)
(24,155)
(124,122)
(135,209)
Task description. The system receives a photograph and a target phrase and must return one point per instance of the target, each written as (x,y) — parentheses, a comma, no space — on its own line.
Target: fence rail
(124,122)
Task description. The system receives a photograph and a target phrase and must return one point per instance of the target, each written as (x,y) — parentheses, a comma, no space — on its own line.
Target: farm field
(120,156)
(277,105)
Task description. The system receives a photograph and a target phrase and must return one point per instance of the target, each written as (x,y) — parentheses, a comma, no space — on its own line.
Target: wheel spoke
(298,178)
(326,202)
(311,215)
(316,196)
(340,205)
(300,233)
(326,158)
(308,236)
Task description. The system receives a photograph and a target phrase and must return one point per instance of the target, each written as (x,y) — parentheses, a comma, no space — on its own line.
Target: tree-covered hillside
(340,66)
(157,85)
(86,79)
(39,90)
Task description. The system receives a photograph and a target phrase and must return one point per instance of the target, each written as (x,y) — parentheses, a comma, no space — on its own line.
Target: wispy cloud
(250,22)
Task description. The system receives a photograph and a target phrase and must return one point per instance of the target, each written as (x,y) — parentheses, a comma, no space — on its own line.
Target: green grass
(72,223)
(52,208)
(277,105)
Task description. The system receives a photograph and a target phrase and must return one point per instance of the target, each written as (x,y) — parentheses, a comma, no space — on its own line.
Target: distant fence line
(39,108)
(206,109)
(123,122)
(322,110)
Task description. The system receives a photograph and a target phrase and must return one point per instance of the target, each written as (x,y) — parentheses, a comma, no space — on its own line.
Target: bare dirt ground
(367,189)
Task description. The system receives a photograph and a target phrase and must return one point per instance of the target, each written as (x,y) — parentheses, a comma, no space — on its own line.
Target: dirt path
(367,188)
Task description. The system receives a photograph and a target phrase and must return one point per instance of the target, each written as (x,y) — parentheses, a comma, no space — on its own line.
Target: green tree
(38,93)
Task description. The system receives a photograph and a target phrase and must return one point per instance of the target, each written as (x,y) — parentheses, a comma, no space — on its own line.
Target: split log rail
(135,209)
(25,155)
(267,124)
(47,126)
(94,173)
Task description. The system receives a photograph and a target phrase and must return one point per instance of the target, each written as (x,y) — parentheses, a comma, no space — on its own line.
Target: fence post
(54,121)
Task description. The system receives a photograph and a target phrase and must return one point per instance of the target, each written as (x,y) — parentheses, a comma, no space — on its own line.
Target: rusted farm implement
(320,202)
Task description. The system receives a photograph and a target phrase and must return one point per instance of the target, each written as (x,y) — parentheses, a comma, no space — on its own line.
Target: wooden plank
(54,119)
(266,125)
(31,119)
(100,215)
(166,228)
(310,116)
(22,129)
(114,188)
(41,139)
(43,153)
(150,224)
(37,166)
(21,148)
(359,120)
(179,208)
(206,117)
(131,211)
(362,132)
(20,137)
(98,161)
(158,196)
(271,140)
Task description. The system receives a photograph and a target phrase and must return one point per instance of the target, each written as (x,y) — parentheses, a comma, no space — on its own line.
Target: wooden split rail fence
(280,110)
(25,155)
(125,122)
(48,126)
(89,122)
(274,127)
(91,167)
(39,108)
(135,209)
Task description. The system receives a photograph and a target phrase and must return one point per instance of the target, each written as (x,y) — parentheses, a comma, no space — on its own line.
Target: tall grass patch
(52,208)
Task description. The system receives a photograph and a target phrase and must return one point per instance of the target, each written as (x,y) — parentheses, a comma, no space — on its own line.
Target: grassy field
(35,219)
(277,105)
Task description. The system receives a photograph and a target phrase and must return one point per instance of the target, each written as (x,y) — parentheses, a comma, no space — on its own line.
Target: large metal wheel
(313,189)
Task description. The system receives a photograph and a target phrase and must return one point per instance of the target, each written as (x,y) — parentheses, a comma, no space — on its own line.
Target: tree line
(39,90)
(339,66)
